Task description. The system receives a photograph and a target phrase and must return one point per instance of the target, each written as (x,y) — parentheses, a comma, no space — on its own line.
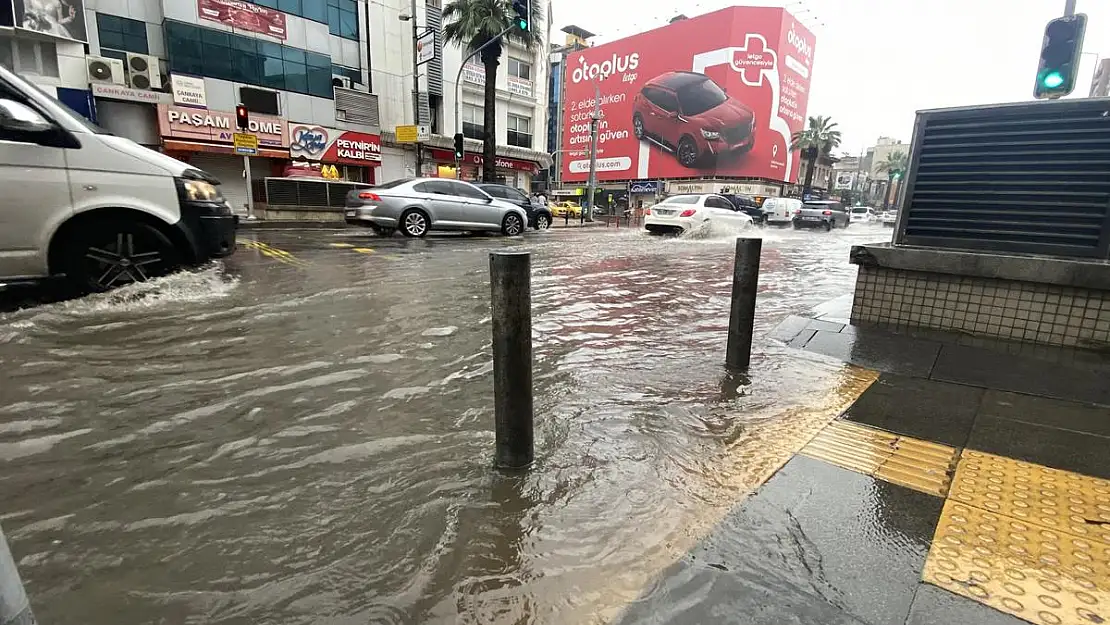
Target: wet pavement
(303,433)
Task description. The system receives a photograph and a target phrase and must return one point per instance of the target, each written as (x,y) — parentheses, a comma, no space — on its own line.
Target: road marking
(342,245)
(273,252)
(917,464)
(363,250)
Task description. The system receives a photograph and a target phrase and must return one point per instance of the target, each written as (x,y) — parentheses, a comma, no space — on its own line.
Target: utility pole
(1069,8)
(416,87)
(595,119)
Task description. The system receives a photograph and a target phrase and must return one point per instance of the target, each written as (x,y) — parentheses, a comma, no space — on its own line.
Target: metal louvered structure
(1026,178)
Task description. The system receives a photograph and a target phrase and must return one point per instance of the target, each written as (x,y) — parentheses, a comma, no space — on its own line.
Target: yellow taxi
(562,209)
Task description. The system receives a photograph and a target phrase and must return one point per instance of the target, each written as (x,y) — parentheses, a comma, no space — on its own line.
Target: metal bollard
(511,301)
(741,321)
(15,609)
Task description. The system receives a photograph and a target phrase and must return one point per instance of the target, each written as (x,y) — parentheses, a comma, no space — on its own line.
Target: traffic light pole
(1069,8)
(458,91)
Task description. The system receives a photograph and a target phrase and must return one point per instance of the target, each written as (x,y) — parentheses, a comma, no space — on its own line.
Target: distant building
(1100,86)
(577,38)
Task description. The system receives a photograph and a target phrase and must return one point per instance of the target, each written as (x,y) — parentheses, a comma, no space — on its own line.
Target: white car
(863,214)
(779,211)
(889,218)
(680,214)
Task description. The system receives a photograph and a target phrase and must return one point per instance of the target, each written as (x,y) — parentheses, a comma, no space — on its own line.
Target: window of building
(28,56)
(343,18)
(520,69)
(121,33)
(520,131)
(205,52)
(353,73)
(474,122)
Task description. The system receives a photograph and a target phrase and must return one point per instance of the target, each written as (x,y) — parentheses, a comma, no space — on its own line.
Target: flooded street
(304,433)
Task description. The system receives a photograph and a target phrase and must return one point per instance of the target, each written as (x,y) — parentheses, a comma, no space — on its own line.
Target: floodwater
(304,433)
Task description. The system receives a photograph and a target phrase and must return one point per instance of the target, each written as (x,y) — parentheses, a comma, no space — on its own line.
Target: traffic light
(242,117)
(458,146)
(1060,53)
(523,11)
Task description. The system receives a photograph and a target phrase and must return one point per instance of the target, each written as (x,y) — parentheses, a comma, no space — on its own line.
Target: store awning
(196,146)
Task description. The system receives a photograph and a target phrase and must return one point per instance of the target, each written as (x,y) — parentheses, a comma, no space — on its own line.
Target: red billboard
(717,95)
(245,16)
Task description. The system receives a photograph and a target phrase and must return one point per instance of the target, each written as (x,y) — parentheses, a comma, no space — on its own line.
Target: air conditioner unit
(143,72)
(341,81)
(105,70)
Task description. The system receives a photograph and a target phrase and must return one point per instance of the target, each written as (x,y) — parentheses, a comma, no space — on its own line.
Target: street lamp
(411,17)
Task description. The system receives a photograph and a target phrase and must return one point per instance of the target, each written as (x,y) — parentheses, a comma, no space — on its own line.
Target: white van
(99,209)
(780,210)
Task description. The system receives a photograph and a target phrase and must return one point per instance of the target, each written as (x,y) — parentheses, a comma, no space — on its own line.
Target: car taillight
(689,212)
(798,211)
(366,195)
(826,212)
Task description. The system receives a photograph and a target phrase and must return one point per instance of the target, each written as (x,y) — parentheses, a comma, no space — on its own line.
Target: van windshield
(77,117)
(699,98)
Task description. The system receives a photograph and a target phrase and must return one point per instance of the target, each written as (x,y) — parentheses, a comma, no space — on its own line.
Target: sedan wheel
(414,224)
(512,225)
(543,222)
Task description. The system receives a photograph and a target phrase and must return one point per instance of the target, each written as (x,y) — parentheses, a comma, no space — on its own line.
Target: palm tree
(817,140)
(895,166)
(473,23)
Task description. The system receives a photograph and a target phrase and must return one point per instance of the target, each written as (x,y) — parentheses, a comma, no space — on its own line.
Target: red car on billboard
(717,95)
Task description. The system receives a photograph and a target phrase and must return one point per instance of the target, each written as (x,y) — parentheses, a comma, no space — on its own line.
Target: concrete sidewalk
(969,484)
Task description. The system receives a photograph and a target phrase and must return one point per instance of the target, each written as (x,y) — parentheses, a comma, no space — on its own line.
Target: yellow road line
(342,245)
(273,252)
(363,250)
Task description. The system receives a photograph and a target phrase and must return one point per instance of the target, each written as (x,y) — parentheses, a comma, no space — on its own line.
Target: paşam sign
(332,145)
(244,16)
(716,95)
(176,122)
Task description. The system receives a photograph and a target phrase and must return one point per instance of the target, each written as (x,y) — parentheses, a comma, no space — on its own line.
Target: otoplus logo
(606,68)
(800,44)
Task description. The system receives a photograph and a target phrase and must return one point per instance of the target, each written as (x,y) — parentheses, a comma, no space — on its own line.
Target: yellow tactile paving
(1052,498)
(902,460)
(1036,573)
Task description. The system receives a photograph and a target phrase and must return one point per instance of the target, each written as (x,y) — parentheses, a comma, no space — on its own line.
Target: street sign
(407,134)
(423,133)
(245,143)
(426,47)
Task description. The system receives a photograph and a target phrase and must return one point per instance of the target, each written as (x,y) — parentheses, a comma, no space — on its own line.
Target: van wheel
(116,253)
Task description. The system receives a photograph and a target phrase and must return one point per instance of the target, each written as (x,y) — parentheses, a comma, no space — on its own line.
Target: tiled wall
(1023,311)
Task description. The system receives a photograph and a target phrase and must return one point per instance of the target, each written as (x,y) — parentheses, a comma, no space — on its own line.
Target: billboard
(244,15)
(717,95)
(57,18)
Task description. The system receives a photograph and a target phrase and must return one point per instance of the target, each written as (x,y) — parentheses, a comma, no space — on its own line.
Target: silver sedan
(416,206)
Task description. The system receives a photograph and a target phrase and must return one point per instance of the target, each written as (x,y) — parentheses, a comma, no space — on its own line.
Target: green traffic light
(1053,80)
(524,24)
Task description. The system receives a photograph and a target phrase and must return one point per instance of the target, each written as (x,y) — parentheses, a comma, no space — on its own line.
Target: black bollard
(741,321)
(14,607)
(511,301)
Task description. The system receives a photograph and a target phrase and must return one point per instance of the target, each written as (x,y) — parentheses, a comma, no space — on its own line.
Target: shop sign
(407,134)
(645,186)
(188,90)
(119,92)
(176,122)
(244,15)
(332,145)
(502,162)
(689,187)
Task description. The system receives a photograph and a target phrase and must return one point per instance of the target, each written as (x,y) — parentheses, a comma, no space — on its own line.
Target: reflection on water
(312,443)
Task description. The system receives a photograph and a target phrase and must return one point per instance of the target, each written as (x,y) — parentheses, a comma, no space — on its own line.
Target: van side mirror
(16,117)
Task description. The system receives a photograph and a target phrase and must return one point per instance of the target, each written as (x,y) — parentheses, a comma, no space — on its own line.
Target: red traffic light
(242,116)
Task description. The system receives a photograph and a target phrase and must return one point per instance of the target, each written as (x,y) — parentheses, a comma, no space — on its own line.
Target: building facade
(326,82)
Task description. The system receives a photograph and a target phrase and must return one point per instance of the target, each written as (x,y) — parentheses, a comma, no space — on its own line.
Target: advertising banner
(57,18)
(426,47)
(178,122)
(245,16)
(717,95)
(332,145)
(502,162)
(844,179)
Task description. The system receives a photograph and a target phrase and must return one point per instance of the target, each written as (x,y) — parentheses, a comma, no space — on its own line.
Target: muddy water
(309,442)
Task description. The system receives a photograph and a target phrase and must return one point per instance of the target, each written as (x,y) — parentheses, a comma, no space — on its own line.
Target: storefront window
(206,52)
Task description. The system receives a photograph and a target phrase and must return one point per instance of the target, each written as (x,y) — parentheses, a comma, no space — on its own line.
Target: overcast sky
(878,61)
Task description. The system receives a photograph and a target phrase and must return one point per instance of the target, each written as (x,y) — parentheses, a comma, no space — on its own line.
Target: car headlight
(711,135)
(201,191)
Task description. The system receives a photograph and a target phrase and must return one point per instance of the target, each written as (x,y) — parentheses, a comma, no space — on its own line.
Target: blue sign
(645,186)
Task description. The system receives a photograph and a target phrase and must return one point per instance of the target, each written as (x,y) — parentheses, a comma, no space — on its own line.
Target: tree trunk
(489,122)
(807,186)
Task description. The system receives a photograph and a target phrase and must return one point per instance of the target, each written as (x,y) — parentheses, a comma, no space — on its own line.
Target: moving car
(416,206)
(688,114)
(539,216)
(565,209)
(780,211)
(862,214)
(101,210)
(747,205)
(680,214)
(889,218)
(821,214)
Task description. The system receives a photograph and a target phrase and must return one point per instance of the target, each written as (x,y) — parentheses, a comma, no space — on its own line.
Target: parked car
(99,209)
(889,218)
(690,115)
(539,216)
(417,206)
(747,205)
(566,208)
(780,211)
(821,214)
(680,214)
(862,214)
